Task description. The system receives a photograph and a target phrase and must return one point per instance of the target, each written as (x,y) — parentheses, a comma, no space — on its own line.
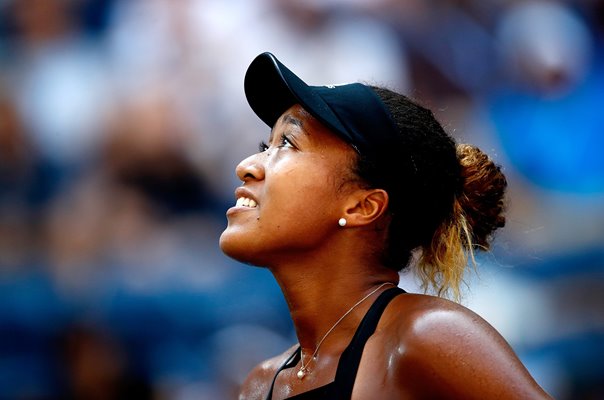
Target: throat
(306,363)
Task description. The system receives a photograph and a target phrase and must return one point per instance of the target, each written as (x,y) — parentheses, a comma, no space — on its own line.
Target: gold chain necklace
(304,368)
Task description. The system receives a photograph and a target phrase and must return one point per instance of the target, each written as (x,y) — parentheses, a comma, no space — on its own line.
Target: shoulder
(444,347)
(258,381)
(437,331)
(423,318)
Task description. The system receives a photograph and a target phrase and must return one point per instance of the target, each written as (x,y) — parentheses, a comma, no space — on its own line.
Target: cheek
(300,212)
(289,219)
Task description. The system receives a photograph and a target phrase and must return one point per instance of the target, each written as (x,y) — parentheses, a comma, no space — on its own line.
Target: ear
(365,207)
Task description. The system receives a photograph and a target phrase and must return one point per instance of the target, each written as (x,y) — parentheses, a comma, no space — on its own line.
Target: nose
(250,169)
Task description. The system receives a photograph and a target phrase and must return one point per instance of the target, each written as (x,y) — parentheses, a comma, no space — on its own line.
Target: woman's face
(292,194)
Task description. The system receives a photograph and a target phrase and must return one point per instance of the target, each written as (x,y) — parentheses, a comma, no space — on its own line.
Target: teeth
(245,202)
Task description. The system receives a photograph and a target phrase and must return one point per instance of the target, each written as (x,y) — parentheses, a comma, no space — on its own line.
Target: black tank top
(341,387)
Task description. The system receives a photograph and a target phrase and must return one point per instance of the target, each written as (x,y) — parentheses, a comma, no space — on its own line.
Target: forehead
(307,125)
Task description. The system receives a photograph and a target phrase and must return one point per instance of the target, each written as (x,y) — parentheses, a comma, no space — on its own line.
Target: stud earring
(342,222)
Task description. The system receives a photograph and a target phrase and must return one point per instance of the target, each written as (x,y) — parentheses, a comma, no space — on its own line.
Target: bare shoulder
(259,380)
(430,318)
(450,351)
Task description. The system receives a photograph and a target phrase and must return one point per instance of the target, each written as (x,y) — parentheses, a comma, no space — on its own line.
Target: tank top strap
(351,357)
(290,362)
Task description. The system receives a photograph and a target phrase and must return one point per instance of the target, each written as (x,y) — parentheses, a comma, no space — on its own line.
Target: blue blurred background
(121,122)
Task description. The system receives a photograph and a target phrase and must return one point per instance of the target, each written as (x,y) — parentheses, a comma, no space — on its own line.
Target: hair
(446,200)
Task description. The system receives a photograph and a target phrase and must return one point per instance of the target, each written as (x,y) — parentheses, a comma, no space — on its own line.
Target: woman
(352,182)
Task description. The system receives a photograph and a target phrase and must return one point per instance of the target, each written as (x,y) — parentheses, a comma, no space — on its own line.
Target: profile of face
(293,193)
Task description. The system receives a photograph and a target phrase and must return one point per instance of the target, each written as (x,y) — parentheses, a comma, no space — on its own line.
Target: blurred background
(121,123)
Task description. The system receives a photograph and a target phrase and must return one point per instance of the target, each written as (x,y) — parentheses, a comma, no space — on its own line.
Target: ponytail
(477,212)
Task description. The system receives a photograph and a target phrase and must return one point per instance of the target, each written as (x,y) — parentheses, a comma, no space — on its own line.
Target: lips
(245,198)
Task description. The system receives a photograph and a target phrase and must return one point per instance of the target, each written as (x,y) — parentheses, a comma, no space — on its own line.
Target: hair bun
(482,194)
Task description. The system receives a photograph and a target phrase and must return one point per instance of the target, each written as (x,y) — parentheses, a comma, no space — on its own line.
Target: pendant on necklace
(301,373)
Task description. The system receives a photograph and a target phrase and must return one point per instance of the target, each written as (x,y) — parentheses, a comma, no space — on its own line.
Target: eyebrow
(290,119)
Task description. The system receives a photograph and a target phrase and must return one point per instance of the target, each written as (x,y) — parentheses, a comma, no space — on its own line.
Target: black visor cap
(352,111)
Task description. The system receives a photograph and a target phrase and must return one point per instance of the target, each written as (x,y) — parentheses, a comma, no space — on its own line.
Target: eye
(285,142)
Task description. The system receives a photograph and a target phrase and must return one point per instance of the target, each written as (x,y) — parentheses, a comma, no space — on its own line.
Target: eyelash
(285,142)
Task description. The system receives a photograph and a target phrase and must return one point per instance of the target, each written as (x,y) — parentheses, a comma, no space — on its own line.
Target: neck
(319,294)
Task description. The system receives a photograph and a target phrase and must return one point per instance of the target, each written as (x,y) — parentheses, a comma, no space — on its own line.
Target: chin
(237,249)
(226,243)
